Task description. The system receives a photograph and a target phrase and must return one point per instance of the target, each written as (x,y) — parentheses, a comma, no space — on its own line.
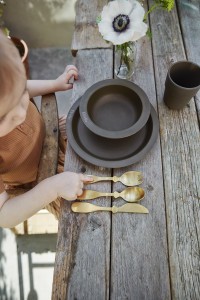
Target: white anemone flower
(122,21)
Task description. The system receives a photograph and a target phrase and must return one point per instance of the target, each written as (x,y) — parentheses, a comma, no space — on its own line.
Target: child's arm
(42,87)
(15,210)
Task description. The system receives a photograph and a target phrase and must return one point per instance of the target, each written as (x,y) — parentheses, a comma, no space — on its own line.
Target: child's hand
(69,185)
(62,82)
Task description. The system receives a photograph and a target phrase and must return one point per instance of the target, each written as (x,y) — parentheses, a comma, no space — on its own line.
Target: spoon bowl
(132,194)
(131,178)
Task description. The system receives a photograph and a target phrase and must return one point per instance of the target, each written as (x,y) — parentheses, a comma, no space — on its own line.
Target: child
(21,138)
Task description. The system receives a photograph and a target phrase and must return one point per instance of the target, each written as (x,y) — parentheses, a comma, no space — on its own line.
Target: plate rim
(106,163)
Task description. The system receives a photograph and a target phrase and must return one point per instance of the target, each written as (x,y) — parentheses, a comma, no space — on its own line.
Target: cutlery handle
(115,194)
(87,207)
(113,209)
(89,195)
(102,208)
(98,178)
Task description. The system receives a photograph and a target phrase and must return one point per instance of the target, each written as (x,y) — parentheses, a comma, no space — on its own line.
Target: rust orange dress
(20,150)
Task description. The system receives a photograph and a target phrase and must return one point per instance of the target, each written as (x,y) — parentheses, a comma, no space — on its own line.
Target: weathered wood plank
(189,14)
(83,249)
(49,155)
(86,34)
(181,164)
(139,256)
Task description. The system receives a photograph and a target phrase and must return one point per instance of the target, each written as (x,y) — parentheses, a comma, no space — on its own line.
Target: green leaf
(165,4)
(149,33)
(98,19)
(1,11)
(6,31)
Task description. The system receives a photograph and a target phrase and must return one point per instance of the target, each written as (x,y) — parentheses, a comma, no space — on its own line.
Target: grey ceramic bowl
(110,153)
(114,108)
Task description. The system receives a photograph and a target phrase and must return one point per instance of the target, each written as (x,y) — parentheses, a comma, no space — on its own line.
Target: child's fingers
(80,192)
(63,117)
(71,67)
(70,74)
(86,178)
(62,120)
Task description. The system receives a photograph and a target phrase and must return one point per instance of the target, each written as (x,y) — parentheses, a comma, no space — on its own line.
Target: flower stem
(150,10)
(124,57)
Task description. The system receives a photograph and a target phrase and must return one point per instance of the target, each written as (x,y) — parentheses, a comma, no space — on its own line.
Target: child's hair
(11,67)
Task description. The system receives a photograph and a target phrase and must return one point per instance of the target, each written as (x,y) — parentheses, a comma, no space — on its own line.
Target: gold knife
(80,207)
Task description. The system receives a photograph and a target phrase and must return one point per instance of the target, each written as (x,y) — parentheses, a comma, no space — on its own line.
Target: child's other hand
(70,185)
(62,82)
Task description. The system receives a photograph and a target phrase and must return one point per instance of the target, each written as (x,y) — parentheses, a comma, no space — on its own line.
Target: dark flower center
(120,23)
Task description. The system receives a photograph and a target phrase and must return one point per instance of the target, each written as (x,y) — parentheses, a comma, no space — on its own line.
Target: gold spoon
(81,207)
(130,178)
(131,194)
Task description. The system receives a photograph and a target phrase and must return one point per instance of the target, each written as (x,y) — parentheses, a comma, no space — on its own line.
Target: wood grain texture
(181,163)
(49,155)
(82,264)
(149,253)
(189,14)
(86,34)
(139,256)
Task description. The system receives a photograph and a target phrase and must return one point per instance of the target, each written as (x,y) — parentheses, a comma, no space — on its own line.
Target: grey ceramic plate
(114,108)
(107,152)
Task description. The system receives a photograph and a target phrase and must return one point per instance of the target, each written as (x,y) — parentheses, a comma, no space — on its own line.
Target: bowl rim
(146,108)
(80,150)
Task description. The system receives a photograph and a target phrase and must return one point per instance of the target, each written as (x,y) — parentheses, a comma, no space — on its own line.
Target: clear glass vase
(124,59)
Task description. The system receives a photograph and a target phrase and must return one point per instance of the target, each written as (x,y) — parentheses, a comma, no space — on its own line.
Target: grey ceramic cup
(182,83)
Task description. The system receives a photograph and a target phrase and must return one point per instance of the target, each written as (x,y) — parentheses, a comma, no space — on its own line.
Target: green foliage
(164,4)
(2,26)
(125,58)
(1,8)
(148,33)
(98,19)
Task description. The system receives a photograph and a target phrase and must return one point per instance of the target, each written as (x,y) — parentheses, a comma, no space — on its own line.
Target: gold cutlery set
(131,194)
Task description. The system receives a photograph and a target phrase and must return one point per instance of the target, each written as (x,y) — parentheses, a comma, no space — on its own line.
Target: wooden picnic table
(135,256)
